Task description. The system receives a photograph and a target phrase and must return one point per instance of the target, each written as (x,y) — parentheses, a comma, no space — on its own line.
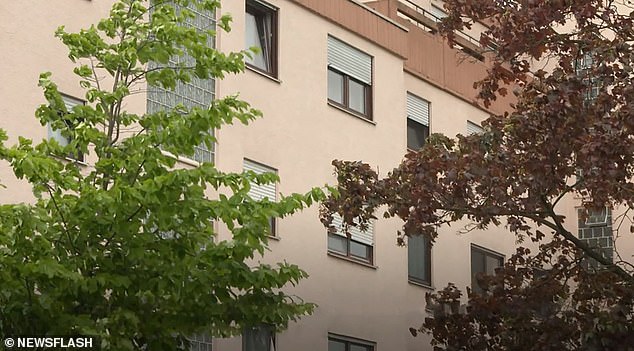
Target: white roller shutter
(364,237)
(349,60)
(259,192)
(473,128)
(71,102)
(417,109)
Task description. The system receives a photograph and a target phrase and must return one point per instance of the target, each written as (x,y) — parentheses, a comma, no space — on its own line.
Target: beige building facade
(335,79)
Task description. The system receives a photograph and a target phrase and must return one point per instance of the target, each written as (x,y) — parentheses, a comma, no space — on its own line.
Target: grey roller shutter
(364,237)
(259,192)
(473,128)
(417,109)
(349,60)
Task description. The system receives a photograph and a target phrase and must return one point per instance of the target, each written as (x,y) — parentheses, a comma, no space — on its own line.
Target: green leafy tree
(125,249)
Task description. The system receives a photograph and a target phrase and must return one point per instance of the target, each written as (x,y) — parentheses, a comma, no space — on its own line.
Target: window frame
(348,254)
(258,9)
(428,262)
(348,341)
(475,287)
(345,104)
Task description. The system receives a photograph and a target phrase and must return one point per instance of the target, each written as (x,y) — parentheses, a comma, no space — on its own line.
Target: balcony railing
(428,21)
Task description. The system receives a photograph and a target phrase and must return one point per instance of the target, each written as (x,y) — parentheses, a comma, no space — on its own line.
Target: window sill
(409,149)
(78,162)
(274,237)
(346,258)
(70,159)
(262,73)
(422,285)
(357,115)
(181,159)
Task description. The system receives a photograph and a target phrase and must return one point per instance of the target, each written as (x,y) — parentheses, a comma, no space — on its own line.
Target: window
(55,134)
(474,128)
(483,261)
(258,338)
(195,93)
(200,342)
(261,33)
(419,259)
(262,191)
(417,121)
(595,229)
(359,246)
(349,78)
(341,343)
(583,68)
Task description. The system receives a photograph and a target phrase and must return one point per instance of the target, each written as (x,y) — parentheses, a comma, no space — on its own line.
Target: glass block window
(197,93)
(595,229)
(200,343)
(583,68)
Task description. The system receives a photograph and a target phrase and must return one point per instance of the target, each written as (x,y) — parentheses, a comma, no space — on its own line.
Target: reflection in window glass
(337,243)
(335,86)
(357,96)
(418,259)
(334,345)
(359,250)
(253,40)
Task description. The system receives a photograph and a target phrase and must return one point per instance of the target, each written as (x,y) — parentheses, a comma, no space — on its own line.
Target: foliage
(570,133)
(124,249)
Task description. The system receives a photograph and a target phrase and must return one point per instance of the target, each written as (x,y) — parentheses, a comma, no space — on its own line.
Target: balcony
(430,58)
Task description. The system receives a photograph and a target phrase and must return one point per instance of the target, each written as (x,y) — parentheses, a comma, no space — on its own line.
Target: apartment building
(352,81)
(335,79)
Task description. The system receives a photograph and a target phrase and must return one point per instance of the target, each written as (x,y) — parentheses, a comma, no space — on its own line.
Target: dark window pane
(360,250)
(477,266)
(416,134)
(338,243)
(335,86)
(355,347)
(257,338)
(334,345)
(418,260)
(272,223)
(356,96)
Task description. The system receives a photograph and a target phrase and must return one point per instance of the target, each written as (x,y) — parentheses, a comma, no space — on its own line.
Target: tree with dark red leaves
(569,134)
